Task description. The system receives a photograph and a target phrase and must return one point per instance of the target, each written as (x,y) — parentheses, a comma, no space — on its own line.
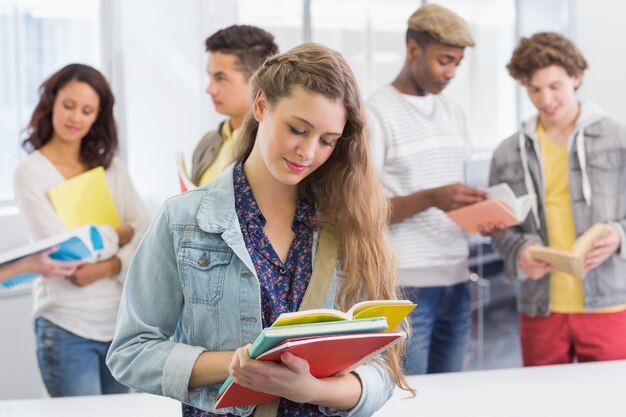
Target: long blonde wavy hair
(349,198)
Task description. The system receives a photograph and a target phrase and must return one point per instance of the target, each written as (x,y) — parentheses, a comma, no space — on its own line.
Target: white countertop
(577,390)
(120,405)
(594,389)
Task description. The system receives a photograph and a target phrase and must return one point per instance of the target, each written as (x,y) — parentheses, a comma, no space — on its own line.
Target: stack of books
(331,341)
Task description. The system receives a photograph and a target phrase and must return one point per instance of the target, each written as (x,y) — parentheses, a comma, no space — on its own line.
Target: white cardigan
(90,311)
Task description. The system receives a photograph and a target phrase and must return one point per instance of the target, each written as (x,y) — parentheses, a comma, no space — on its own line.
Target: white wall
(19,373)
(600,36)
(159,78)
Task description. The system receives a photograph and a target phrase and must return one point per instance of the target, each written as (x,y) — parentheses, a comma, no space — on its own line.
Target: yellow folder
(85,199)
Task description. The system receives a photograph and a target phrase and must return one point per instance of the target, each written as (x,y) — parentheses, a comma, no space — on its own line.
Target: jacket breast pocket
(606,173)
(203,272)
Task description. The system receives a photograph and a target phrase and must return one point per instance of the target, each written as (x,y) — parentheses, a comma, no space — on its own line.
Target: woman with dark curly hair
(72,130)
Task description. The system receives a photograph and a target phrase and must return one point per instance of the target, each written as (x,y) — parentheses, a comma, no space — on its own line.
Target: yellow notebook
(85,199)
(394,310)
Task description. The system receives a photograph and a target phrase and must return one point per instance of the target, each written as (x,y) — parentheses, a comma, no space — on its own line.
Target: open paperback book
(330,348)
(393,310)
(500,207)
(83,244)
(571,262)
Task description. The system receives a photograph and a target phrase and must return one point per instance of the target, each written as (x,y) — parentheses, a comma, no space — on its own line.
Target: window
(369,34)
(482,84)
(282,18)
(37,37)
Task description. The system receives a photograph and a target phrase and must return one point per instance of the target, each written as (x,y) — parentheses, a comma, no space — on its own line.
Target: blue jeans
(71,365)
(440,325)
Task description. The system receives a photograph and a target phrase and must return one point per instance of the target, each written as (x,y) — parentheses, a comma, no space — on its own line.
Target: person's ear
(413,49)
(259,106)
(577,80)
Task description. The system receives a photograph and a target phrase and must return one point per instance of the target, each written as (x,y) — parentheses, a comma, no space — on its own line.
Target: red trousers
(565,338)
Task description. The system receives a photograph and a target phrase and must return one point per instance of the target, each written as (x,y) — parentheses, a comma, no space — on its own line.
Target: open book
(500,207)
(571,262)
(85,199)
(183,177)
(79,244)
(330,348)
(394,310)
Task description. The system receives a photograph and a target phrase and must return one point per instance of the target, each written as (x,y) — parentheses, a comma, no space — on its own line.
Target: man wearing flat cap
(420,147)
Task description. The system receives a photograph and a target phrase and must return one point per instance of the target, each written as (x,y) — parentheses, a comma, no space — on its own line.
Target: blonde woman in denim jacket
(220,263)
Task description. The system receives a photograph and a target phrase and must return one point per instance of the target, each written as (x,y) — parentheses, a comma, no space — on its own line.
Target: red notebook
(327,356)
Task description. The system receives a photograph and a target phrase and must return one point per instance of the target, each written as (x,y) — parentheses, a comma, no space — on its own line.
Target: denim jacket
(597,186)
(192,288)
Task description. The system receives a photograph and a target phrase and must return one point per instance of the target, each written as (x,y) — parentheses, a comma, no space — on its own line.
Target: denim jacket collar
(216,214)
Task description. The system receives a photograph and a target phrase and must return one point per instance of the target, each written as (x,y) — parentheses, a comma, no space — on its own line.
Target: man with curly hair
(572,156)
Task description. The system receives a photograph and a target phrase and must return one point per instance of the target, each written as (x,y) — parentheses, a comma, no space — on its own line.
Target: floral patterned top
(282,284)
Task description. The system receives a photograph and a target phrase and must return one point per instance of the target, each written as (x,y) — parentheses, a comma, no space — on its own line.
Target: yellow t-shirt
(566,291)
(223,156)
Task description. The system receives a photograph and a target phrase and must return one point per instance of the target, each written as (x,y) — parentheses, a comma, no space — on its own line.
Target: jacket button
(203,261)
